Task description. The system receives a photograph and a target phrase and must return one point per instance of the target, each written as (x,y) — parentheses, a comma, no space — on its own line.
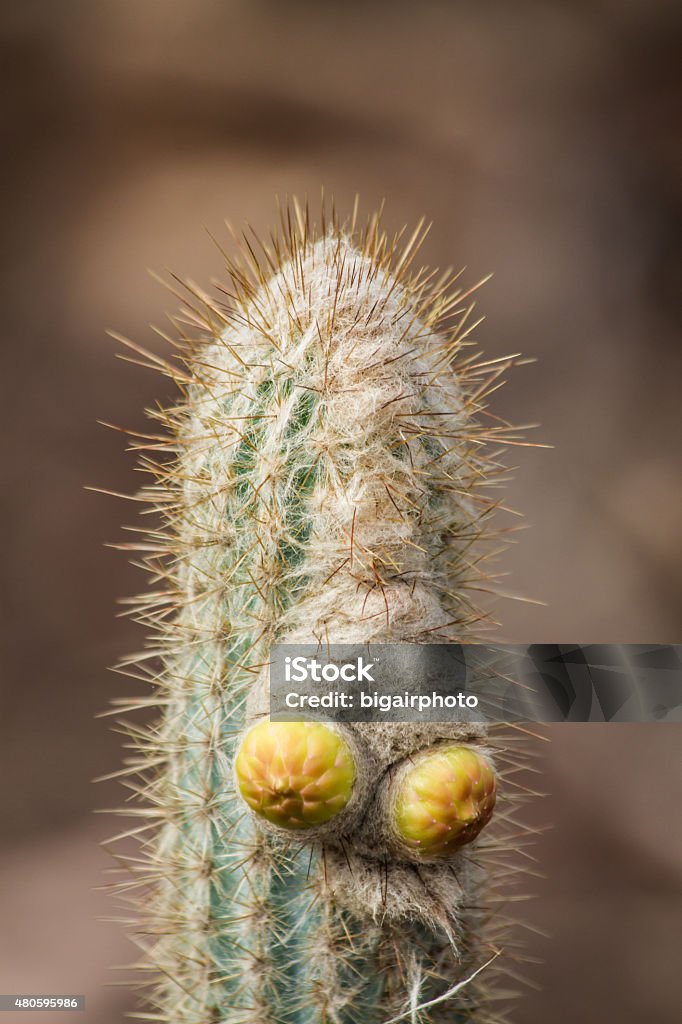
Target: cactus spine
(323,479)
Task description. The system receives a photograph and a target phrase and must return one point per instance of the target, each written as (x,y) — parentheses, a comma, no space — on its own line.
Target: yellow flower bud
(444,801)
(295,774)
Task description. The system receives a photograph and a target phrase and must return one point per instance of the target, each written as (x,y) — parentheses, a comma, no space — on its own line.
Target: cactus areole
(321,478)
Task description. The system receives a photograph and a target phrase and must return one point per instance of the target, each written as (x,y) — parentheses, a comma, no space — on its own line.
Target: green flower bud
(443,801)
(295,774)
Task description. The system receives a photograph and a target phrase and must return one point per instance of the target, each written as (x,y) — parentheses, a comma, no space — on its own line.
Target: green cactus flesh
(324,480)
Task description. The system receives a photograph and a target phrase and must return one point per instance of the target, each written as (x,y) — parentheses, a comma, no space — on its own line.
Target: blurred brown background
(542,140)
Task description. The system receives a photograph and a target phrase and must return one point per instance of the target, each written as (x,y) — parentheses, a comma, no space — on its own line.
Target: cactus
(323,478)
